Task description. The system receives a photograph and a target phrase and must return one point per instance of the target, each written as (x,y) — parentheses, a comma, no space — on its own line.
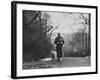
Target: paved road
(72,62)
(65,62)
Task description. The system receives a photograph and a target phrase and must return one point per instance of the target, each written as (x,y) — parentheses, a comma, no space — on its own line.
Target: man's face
(58,34)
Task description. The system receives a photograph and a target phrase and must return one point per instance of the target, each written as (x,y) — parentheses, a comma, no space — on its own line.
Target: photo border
(14,38)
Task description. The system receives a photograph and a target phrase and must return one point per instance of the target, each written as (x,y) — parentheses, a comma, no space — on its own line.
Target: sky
(67,23)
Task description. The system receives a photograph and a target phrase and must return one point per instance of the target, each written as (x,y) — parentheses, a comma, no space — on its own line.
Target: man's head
(59,34)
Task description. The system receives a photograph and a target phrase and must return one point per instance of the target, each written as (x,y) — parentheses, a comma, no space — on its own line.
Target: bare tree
(86,22)
(49,29)
(84,19)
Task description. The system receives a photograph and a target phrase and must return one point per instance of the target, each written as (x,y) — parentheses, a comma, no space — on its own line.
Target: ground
(65,62)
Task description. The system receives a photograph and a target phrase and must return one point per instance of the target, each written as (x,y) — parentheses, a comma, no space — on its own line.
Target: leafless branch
(37,14)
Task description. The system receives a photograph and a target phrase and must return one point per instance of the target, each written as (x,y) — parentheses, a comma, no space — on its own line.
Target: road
(65,62)
(72,62)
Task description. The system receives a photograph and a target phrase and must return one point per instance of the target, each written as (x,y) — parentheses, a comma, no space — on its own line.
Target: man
(59,41)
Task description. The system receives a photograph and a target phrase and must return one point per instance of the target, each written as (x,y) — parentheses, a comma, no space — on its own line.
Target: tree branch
(34,18)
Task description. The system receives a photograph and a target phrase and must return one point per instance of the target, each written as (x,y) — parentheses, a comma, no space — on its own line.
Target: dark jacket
(59,41)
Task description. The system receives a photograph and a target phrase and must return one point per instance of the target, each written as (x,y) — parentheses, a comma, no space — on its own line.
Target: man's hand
(57,42)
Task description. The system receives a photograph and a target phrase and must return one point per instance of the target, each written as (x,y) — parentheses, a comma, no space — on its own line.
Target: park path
(72,62)
(65,62)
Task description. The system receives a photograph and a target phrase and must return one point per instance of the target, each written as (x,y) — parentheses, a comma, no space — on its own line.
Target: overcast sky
(67,23)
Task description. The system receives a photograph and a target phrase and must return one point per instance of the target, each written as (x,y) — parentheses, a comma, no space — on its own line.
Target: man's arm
(63,41)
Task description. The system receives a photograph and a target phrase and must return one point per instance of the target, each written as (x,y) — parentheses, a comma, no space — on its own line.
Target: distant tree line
(80,45)
(81,40)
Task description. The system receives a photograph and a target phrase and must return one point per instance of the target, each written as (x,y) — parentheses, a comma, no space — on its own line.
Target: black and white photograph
(54,39)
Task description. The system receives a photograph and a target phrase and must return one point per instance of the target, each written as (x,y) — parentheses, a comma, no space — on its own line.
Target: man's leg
(58,54)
